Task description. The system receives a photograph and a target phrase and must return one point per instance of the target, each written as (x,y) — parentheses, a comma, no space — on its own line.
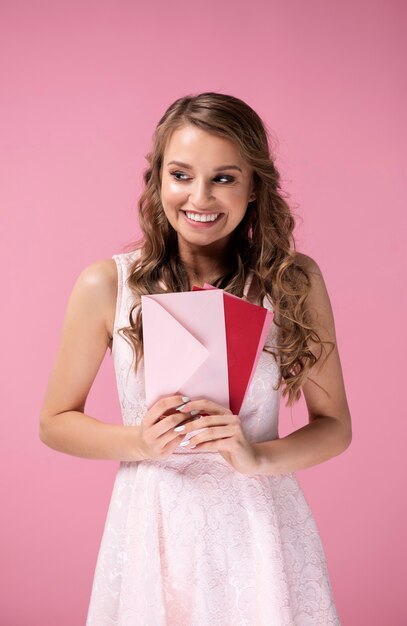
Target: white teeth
(202,218)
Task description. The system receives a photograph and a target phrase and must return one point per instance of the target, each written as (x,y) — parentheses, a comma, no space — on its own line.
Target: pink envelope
(247,327)
(185,346)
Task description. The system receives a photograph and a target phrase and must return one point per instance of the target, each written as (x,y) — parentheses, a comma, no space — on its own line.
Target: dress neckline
(246,288)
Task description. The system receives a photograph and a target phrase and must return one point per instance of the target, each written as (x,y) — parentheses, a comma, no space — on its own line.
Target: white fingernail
(185,399)
(179,428)
(184,443)
(194,412)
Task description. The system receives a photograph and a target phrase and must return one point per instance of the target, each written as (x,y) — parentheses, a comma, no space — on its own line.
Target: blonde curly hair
(263,240)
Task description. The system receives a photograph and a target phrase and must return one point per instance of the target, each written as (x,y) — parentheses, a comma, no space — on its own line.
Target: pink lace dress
(189,541)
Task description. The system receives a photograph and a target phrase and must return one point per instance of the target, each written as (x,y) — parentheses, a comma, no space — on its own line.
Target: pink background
(83,86)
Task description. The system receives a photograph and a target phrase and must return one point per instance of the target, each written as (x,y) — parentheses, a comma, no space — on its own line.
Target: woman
(207,528)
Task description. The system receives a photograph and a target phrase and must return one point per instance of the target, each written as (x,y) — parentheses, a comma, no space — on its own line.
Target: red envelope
(247,326)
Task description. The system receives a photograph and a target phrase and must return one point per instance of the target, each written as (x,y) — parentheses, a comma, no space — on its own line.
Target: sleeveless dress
(189,541)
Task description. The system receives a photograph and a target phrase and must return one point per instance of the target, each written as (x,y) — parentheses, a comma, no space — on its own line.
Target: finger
(171,421)
(223,444)
(219,445)
(205,405)
(164,405)
(170,439)
(203,421)
(211,434)
(162,433)
(167,424)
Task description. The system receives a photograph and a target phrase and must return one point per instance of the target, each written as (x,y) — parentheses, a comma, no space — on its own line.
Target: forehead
(190,142)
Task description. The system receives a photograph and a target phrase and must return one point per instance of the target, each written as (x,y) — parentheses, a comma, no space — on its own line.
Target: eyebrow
(216,169)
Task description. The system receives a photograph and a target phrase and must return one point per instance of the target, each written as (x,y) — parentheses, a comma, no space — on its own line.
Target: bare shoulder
(100,278)
(318,300)
(307,263)
(318,293)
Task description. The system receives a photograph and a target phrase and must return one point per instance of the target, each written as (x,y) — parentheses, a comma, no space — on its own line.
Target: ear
(252,193)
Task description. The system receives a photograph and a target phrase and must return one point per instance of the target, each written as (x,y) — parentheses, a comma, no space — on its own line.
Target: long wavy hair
(263,241)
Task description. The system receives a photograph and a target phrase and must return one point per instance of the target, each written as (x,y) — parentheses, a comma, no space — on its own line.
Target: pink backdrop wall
(83,85)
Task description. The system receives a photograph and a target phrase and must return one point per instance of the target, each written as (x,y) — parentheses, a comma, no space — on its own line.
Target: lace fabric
(189,541)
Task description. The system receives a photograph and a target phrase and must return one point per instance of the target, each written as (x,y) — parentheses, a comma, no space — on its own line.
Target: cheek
(171,199)
(235,199)
(173,193)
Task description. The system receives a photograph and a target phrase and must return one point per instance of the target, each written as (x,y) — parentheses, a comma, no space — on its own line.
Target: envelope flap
(173,352)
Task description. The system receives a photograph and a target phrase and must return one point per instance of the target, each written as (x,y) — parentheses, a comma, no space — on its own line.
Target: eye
(175,174)
(229,179)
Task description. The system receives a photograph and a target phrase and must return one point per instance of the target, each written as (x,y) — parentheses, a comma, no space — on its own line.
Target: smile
(202,217)
(202,220)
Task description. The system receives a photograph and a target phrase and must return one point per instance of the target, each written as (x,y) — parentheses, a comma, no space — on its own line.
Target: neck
(205,264)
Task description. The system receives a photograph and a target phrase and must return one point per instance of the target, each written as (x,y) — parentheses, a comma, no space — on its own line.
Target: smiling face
(204,177)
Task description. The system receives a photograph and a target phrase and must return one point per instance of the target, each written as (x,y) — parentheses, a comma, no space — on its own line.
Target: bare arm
(329,431)
(85,337)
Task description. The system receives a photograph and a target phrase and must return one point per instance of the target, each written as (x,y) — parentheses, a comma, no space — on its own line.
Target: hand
(223,433)
(157,438)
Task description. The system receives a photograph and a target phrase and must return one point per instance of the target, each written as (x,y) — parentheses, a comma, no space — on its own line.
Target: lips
(209,217)
(199,224)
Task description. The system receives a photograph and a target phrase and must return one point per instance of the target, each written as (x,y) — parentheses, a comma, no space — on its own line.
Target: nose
(201,195)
